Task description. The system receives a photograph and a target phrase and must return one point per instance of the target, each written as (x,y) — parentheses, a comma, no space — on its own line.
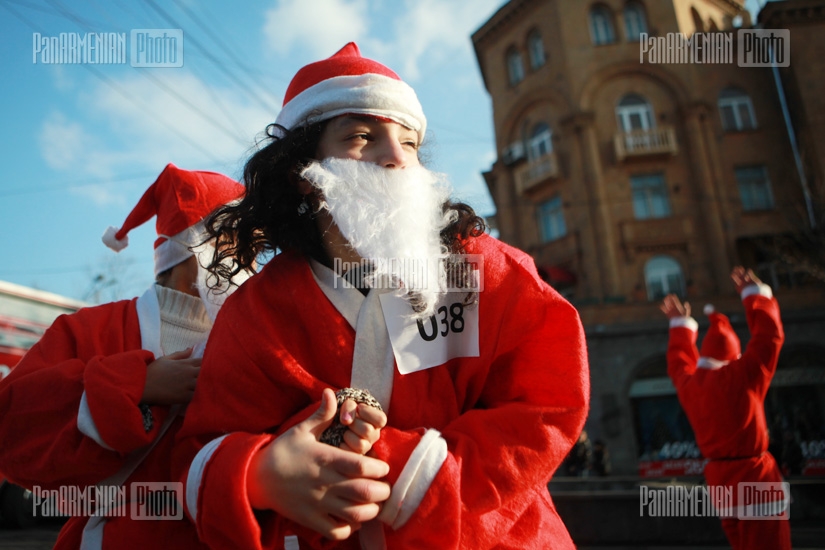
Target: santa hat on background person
(720,345)
(180,199)
(347,83)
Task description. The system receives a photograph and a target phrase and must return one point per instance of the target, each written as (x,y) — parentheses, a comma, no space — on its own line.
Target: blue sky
(82,142)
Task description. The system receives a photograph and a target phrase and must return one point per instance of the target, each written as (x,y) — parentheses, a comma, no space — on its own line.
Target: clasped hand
(330,490)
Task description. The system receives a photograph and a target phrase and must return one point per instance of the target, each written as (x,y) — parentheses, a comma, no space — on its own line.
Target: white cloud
(67,147)
(62,141)
(194,121)
(150,128)
(63,81)
(437,30)
(406,36)
(320,26)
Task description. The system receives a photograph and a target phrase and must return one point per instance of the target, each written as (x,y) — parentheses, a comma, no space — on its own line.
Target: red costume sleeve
(682,354)
(767,336)
(507,418)
(95,352)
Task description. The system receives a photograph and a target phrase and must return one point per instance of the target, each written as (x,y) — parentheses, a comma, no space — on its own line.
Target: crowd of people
(457,401)
(454,402)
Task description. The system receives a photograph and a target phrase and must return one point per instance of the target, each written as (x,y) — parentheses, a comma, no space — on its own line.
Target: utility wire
(150,17)
(130,97)
(75,185)
(220,66)
(217,39)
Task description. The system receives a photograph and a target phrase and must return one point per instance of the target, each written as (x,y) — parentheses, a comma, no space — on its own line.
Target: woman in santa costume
(381,284)
(722,392)
(98,399)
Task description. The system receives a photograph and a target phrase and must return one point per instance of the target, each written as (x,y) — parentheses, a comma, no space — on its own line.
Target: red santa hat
(347,83)
(180,199)
(720,345)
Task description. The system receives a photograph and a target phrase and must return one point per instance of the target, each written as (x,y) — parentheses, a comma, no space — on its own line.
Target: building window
(650,198)
(663,276)
(515,69)
(551,220)
(754,188)
(736,110)
(601,25)
(634,113)
(540,143)
(635,22)
(535,47)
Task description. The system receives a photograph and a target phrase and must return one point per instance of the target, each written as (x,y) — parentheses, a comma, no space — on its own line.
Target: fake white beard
(392,218)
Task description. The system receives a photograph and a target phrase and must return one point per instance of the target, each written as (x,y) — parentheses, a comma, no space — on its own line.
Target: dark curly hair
(267,219)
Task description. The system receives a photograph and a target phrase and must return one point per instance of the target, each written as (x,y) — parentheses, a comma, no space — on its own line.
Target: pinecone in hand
(334,435)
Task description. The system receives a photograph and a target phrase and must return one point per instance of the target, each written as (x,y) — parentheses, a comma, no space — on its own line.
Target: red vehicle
(25,314)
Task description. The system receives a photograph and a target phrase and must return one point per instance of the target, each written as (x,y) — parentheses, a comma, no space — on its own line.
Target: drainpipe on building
(786,114)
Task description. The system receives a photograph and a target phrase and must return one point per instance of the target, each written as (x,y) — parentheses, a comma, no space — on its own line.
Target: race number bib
(417,345)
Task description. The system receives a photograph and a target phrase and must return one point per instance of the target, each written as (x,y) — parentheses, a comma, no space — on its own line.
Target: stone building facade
(629,175)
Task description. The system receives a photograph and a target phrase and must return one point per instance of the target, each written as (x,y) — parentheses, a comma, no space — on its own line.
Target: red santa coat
(70,417)
(496,426)
(725,406)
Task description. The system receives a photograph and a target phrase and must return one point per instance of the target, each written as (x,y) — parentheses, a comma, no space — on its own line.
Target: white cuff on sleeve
(761,289)
(416,477)
(687,322)
(86,424)
(195,475)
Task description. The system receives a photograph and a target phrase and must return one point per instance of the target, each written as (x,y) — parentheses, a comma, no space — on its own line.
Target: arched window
(515,69)
(535,47)
(601,25)
(634,113)
(663,276)
(540,142)
(736,110)
(635,22)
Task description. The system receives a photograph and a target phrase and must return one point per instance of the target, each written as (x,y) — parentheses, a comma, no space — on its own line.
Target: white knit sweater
(184,321)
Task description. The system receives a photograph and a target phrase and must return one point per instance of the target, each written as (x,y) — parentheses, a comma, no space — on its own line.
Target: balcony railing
(636,143)
(536,171)
(656,233)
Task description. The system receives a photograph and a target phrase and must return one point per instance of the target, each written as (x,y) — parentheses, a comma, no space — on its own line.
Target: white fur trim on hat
(110,240)
(367,94)
(177,248)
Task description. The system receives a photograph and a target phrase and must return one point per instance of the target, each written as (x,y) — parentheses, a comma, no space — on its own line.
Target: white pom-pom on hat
(110,239)
(179,199)
(708,309)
